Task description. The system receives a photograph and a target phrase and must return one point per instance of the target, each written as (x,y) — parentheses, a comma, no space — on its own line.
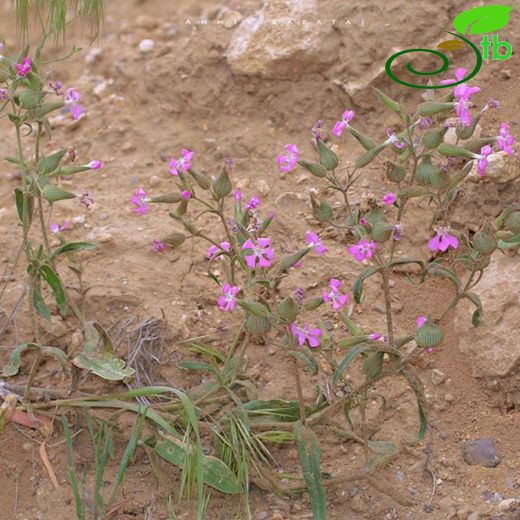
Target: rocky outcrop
(493,348)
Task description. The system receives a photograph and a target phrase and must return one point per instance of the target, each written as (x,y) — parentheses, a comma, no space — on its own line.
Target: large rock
(349,41)
(283,41)
(493,348)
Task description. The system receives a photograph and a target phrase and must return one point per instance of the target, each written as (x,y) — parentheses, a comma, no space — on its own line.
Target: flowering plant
(27,99)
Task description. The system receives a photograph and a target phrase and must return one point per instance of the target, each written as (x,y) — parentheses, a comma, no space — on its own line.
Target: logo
(479,20)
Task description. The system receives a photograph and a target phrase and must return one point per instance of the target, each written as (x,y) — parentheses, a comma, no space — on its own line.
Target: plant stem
(299,390)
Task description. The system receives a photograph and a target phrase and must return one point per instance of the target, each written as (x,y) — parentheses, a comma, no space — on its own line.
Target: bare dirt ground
(142,109)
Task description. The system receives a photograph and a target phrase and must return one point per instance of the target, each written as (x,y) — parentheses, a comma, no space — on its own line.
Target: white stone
(146,46)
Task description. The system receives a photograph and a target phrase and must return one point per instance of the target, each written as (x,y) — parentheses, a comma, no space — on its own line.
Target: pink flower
(363,221)
(56,228)
(313,240)
(238,195)
(95,165)
(493,103)
(505,140)
(375,336)
(397,232)
(3,93)
(228,302)
(463,112)
(306,334)
(464,91)
(253,203)
(72,99)
(158,246)
(420,321)
(443,240)
(140,201)
(482,162)
(287,161)
(261,253)
(214,250)
(186,194)
(425,122)
(389,198)
(338,300)
(362,250)
(183,164)
(24,68)
(86,200)
(340,126)
(56,86)
(460,73)
(394,139)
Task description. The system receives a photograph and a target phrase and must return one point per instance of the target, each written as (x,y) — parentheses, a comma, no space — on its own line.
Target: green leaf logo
(484,19)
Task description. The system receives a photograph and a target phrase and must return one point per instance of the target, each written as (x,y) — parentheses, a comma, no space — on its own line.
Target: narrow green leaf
(357,288)
(347,360)
(54,281)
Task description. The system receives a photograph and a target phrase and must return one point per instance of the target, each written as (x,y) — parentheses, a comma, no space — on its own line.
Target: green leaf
(482,19)
(199,366)
(357,288)
(479,311)
(306,356)
(103,365)
(19,197)
(50,163)
(215,472)
(39,304)
(12,367)
(309,454)
(276,410)
(510,243)
(54,281)
(347,360)
(381,454)
(73,246)
(373,365)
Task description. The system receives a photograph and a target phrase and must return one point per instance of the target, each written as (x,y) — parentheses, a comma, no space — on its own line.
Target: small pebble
(482,452)
(449,398)
(146,46)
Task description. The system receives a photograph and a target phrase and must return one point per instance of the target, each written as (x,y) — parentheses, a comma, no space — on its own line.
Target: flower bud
(321,211)
(465,132)
(428,335)
(431,108)
(168,198)
(50,163)
(370,155)
(451,150)
(174,239)
(382,231)
(222,185)
(395,172)
(363,140)
(433,138)
(328,159)
(484,241)
(191,228)
(203,181)
(427,173)
(257,324)
(315,168)
(255,308)
(288,309)
(53,193)
(288,261)
(182,208)
(475,145)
